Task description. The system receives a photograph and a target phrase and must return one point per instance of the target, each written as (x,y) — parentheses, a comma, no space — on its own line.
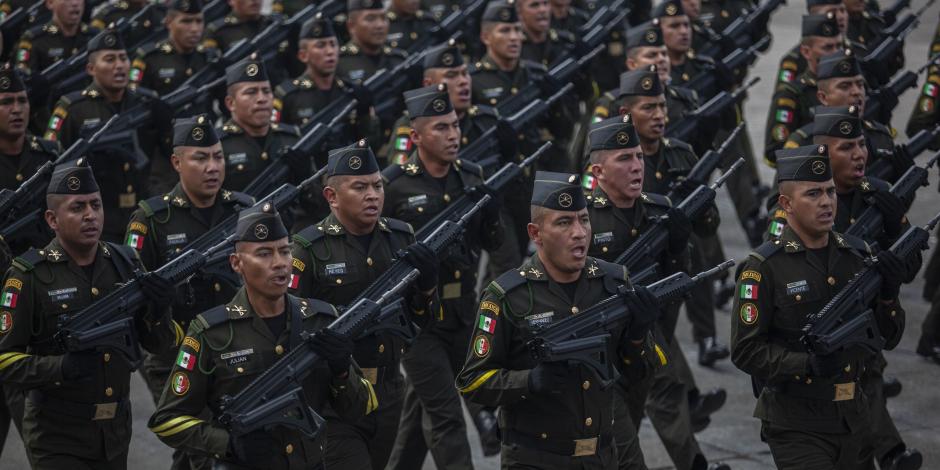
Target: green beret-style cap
(355,159)
(806,163)
(613,134)
(73,178)
(558,191)
(260,224)
(837,121)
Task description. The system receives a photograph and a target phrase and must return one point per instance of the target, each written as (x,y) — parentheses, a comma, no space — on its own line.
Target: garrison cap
(10,79)
(428,101)
(73,178)
(816,3)
(806,163)
(317,28)
(445,56)
(837,121)
(355,159)
(196,131)
(353,5)
(501,11)
(647,34)
(108,39)
(613,133)
(249,69)
(820,25)
(668,8)
(187,6)
(839,64)
(641,82)
(558,191)
(260,224)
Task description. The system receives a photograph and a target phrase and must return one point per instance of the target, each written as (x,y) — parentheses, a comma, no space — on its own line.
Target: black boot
(702,405)
(488,428)
(710,350)
(905,459)
(891,387)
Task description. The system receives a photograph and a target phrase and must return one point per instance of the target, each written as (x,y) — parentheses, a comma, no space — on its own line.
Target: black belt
(818,391)
(565,447)
(89,411)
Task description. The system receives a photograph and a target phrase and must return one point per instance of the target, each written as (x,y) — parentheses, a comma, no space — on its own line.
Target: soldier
(541,44)
(417,191)
(812,413)
(406,23)
(229,346)
(336,259)
(865,23)
(568,18)
(62,37)
(793,63)
(677,36)
(77,412)
(250,140)
(501,73)
(244,22)
(124,179)
(718,14)
(793,101)
(116,10)
(553,415)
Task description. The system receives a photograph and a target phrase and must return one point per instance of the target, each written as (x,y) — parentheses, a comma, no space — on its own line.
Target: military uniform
(14,169)
(718,14)
(222,33)
(355,66)
(42,46)
(477,120)
(405,30)
(791,108)
(548,51)
(246,157)
(878,138)
(492,86)
(142,29)
(161,68)
(925,114)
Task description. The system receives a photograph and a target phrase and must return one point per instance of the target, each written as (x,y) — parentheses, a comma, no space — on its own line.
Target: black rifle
(585,338)
(727,72)
(889,46)
(652,242)
(880,103)
(702,118)
(276,398)
(868,224)
(744,31)
(890,14)
(848,320)
(701,173)
(909,151)
(108,324)
(20,19)
(449,27)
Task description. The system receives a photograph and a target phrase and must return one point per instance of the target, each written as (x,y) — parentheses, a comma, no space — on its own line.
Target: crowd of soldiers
(334,226)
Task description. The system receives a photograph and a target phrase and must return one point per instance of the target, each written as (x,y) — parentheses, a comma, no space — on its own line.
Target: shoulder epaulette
(507,281)
(766,250)
(286,129)
(392,172)
(485,110)
(315,306)
(856,243)
(616,271)
(125,253)
(146,92)
(240,198)
(154,205)
(878,184)
(534,66)
(285,88)
(307,236)
(656,199)
(394,51)
(148,48)
(71,98)
(48,146)
(470,167)
(676,143)
(212,317)
(27,261)
(399,225)
(877,126)
(34,32)
(685,93)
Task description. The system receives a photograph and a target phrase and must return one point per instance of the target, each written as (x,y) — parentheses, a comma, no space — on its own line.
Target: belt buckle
(845,391)
(105,411)
(584,447)
(371,374)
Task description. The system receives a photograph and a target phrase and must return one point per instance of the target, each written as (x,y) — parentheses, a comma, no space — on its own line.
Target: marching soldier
(925,113)
(553,415)
(62,37)
(793,64)
(77,411)
(813,413)
(116,10)
(229,346)
(123,178)
(244,22)
(677,36)
(793,101)
(566,17)
(335,260)
(406,23)
(502,72)
(865,23)
(542,44)
(417,191)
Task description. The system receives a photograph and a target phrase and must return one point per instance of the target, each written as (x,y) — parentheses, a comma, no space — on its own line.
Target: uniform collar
(230,127)
(808,78)
(94,92)
(331,226)
(792,243)
(534,270)
(54,253)
(866,185)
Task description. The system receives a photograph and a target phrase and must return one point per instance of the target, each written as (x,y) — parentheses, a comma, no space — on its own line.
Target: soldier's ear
(785,203)
(413,134)
(534,233)
(235,262)
(596,170)
(821,96)
(805,51)
(51,219)
(329,193)
(175,160)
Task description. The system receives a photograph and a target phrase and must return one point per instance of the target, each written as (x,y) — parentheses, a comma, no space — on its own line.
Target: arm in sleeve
(17,323)
(890,317)
(352,397)
(781,120)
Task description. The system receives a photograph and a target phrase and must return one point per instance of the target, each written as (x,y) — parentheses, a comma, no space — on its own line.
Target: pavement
(733,435)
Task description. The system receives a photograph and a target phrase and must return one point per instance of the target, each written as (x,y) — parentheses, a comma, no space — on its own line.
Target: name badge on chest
(237,357)
(336,269)
(175,239)
(797,287)
(601,238)
(168,72)
(236,158)
(416,201)
(538,320)
(59,295)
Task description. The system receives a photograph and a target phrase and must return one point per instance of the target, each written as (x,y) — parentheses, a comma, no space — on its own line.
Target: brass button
(289,449)
(852,220)
(588,421)
(796,377)
(107,357)
(809,380)
(604,249)
(240,370)
(369,261)
(586,385)
(279,349)
(894,313)
(544,436)
(109,391)
(264,155)
(456,274)
(831,281)
(189,71)
(19,177)
(130,188)
(339,281)
(94,291)
(633,232)
(127,166)
(65,306)
(217,287)
(381,348)
(240,167)
(514,90)
(848,368)
(574,310)
(799,297)
(447,198)
(659,175)
(420,209)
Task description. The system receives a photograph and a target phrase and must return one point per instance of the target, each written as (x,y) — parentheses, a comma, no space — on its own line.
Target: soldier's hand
(643,310)
(892,272)
(826,366)
(547,377)
(79,364)
(680,227)
(508,140)
(335,347)
(158,289)
(423,259)
(256,449)
(300,165)
(892,210)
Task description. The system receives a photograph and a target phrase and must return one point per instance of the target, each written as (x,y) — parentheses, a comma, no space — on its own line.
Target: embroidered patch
(192,343)
(931,90)
(492,92)
(336,269)
(776,228)
(748,314)
(787,76)
(294,281)
(487,324)
(786,103)
(186,360)
(748,291)
(797,287)
(491,306)
(299,265)
(926,104)
(749,274)
(403,144)
(180,382)
(166,72)
(784,116)
(135,240)
(14,283)
(588,182)
(239,353)
(6,322)
(481,346)
(138,227)
(601,238)
(780,133)
(9,299)
(236,158)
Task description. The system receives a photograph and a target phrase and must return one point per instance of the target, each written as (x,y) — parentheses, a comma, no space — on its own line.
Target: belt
(89,411)
(821,391)
(565,447)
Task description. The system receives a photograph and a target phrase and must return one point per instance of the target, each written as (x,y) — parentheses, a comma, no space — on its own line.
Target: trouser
(700,308)
(367,443)
(432,415)
(930,328)
(742,183)
(516,457)
(799,449)
(44,460)
(885,438)
(11,410)
(629,453)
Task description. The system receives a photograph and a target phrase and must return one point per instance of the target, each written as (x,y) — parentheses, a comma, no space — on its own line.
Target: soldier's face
(620,173)
(854,7)
(185,29)
(560,5)
(846,91)
(649,116)
(357,200)
(408,7)
(692,8)
(437,137)
(109,69)
(368,27)
(848,158)
(810,206)
(265,266)
(818,47)
(77,219)
(66,12)
(561,238)
(841,14)
(458,83)
(503,40)
(14,114)
(246,8)
(201,169)
(536,15)
(646,56)
(320,55)
(251,103)
(677,34)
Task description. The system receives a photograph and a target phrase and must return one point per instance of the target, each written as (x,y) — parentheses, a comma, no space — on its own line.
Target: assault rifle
(880,103)
(727,72)
(652,242)
(449,26)
(19,20)
(586,337)
(906,152)
(890,45)
(847,320)
(701,173)
(702,119)
(744,31)
(890,14)
(276,399)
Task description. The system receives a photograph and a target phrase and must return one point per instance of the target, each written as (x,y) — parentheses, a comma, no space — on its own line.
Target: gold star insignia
(334,228)
(55,255)
(535,272)
(793,245)
(411,168)
(592,269)
(241,311)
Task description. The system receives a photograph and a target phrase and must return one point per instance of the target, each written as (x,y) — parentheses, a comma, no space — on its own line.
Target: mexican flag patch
(186,360)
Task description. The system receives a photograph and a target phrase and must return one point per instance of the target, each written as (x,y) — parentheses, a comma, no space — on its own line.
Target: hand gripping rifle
(585,338)
(916,145)
(276,399)
(848,320)
(880,103)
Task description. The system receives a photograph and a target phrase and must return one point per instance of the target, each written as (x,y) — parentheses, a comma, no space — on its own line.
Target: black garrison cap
(501,11)
(668,8)
(353,5)
(613,133)
(260,224)
(820,25)
(816,3)
(642,82)
(558,191)
(107,39)
(187,6)
(317,28)
(806,163)
(645,35)
(428,101)
(445,56)
(73,178)
(356,159)
(10,79)
(839,64)
(196,131)
(249,69)
(837,121)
